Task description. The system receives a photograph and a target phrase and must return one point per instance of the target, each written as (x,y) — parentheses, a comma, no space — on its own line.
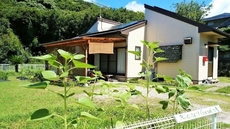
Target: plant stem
(65,104)
(174,105)
(93,89)
(65,96)
(147,85)
(124,115)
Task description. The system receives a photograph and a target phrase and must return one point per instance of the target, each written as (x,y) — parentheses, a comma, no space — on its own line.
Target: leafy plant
(176,95)
(86,80)
(3,76)
(122,99)
(148,64)
(64,68)
(16,60)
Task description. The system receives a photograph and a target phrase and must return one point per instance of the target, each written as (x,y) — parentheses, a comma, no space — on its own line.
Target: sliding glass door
(113,63)
(121,60)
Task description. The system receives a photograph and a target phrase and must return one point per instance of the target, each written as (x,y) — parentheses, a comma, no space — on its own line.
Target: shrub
(3,76)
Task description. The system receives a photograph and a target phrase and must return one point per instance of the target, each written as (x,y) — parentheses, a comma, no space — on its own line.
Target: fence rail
(199,119)
(10,68)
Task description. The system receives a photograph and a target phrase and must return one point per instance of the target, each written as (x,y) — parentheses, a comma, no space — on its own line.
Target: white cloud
(218,7)
(135,6)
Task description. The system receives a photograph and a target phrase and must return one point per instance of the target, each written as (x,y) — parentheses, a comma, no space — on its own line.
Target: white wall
(133,66)
(170,31)
(203,66)
(100,26)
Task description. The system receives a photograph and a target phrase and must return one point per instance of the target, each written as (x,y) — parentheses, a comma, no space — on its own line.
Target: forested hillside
(25,24)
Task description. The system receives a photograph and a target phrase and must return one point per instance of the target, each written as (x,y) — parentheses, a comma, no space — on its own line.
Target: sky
(218,6)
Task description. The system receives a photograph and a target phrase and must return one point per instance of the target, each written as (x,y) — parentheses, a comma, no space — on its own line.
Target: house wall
(133,66)
(170,31)
(203,66)
(100,26)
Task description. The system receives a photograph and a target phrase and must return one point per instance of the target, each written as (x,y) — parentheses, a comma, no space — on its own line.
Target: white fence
(10,68)
(199,119)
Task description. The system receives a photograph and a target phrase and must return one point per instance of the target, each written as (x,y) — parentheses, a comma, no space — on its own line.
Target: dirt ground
(222,117)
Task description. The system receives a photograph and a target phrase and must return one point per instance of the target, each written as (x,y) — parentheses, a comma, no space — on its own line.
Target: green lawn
(224,79)
(17,103)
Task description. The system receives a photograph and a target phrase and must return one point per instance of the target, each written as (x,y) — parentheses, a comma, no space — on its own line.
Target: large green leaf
(153,45)
(183,102)
(187,81)
(83,79)
(183,73)
(65,54)
(78,56)
(86,102)
(40,85)
(45,57)
(86,115)
(183,81)
(146,43)
(50,75)
(74,123)
(161,89)
(171,93)
(168,78)
(134,106)
(65,74)
(125,96)
(164,104)
(136,53)
(55,64)
(88,93)
(157,59)
(158,50)
(79,64)
(40,114)
(69,95)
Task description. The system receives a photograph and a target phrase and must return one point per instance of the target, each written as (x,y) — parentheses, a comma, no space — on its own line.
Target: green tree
(40,21)
(9,42)
(192,10)
(16,60)
(225,42)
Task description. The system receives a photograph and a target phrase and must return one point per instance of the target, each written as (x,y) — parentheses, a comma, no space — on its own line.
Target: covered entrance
(111,60)
(210,61)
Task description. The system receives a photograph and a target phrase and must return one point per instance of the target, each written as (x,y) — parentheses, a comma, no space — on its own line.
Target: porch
(108,54)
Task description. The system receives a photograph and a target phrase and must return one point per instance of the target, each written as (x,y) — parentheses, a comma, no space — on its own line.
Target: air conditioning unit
(188,40)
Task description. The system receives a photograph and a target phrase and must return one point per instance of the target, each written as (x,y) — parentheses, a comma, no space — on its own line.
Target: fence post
(214,121)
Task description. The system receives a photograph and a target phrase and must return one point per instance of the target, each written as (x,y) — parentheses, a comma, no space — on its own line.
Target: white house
(199,43)
(187,45)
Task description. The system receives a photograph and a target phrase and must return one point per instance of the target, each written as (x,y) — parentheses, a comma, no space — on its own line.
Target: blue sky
(219,6)
(166,4)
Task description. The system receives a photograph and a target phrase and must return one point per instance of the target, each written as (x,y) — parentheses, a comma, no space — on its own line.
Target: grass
(225,90)
(18,103)
(224,79)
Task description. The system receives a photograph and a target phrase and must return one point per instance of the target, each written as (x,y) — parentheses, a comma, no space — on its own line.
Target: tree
(33,22)
(225,42)
(16,60)
(192,10)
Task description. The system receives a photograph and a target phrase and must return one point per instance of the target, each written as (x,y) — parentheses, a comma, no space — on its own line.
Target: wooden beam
(104,39)
(83,40)
(86,56)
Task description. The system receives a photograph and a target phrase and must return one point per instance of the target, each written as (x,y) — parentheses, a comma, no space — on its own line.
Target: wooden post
(86,56)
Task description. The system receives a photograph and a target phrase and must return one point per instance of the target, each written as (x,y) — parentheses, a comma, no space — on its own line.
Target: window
(137,49)
(113,63)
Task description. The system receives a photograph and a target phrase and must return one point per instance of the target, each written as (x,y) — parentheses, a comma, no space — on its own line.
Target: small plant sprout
(64,69)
